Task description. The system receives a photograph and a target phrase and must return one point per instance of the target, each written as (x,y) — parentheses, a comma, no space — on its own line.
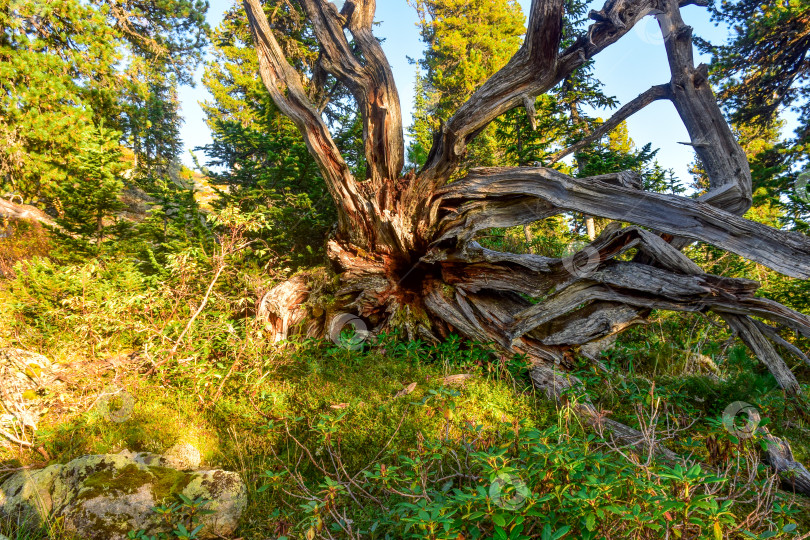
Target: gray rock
(26,496)
(104,497)
(183,457)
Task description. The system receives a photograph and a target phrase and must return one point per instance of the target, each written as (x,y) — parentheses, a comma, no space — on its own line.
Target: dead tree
(405,250)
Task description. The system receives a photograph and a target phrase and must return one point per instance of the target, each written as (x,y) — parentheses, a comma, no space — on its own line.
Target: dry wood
(785,251)
(282,307)
(9,209)
(779,456)
(405,247)
(371,83)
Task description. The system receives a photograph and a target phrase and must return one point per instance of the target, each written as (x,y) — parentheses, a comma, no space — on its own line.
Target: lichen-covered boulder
(26,497)
(104,497)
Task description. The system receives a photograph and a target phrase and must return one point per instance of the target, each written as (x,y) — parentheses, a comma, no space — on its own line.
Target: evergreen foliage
(66,66)
(90,202)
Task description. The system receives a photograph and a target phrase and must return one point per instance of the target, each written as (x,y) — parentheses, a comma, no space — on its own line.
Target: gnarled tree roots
(405,252)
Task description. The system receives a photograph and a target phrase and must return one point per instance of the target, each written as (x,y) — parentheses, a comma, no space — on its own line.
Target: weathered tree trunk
(11,210)
(405,250)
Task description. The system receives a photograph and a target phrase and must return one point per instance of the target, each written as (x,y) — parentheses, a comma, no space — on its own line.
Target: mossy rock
(26,497)
(106,496)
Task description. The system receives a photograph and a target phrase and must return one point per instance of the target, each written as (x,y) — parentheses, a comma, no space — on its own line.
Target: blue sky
(628,68)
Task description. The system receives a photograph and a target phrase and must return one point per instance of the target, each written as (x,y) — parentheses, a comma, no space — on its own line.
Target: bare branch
(485,318)
(384,113)
(371,84)
(476,216)
(467,219)
(653,94)
(476,268)
(285,87)
(591,323)
(722,157)
(536,68)
(638,286)
(785,251)
(530,72)
(649,288)
(793,474)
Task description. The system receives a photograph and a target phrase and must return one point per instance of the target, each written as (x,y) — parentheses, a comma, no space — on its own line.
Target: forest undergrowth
(382,438)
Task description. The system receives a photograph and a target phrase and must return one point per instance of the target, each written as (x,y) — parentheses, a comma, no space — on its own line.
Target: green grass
(276,413)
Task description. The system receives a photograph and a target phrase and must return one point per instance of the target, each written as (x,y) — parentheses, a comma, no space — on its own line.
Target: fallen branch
(39,449)
(12,210)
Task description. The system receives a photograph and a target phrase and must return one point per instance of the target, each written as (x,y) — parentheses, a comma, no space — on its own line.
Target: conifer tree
(91,200)
(466,42)
(67,65)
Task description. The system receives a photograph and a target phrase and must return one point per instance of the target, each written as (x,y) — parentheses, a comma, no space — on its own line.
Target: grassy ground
(331,443)
(237,428)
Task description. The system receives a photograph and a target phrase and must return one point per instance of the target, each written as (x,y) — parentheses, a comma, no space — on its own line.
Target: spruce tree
(67,65)
(90,199)
(466,42)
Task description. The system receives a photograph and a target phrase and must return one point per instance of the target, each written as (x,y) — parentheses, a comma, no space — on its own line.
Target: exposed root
(283,309)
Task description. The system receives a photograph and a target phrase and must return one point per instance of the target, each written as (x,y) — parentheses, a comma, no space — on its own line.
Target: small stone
(183,457)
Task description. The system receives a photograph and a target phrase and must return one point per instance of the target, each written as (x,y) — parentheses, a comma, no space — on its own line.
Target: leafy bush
(523,482)
(20,240)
